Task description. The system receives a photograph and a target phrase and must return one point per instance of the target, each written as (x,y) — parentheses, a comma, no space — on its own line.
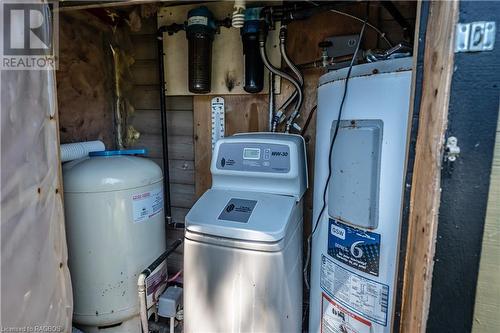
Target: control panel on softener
(256,157)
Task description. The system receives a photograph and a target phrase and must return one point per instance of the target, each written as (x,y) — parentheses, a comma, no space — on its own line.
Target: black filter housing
(200,31)
(254,67)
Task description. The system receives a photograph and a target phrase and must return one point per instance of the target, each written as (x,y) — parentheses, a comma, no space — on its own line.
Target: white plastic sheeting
(35,283)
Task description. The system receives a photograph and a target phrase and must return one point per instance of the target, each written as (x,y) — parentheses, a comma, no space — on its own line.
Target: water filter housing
(200,32)
(355,247)
(254,66)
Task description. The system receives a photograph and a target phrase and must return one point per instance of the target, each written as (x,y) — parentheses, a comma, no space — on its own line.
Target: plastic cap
(142,151)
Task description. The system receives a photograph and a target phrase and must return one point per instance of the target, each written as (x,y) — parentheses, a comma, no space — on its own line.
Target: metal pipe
(172,324)
(164,134)
(295,113)
(274,70)
(292,97)
(284,54)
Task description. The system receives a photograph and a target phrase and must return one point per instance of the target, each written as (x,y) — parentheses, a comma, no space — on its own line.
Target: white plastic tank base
(341,296)
(115,228)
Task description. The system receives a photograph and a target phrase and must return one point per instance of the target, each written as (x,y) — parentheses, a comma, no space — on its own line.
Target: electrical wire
(334,137)
(308,120)
(382,34)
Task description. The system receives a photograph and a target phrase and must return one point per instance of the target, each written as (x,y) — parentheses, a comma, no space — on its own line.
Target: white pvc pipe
(141,284)
(73,151)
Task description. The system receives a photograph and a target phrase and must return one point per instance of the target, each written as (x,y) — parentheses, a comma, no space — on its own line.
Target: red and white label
(337,319)
(156,283)
(145,205)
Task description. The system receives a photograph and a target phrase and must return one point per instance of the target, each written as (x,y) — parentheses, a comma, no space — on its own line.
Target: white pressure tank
(115,228)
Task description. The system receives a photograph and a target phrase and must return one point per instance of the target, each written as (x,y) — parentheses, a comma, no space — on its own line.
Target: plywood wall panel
(227,51)
(243,113)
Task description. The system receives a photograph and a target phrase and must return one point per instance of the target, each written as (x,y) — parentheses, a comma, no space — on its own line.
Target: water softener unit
(243,239)
(200,31)
(356,241)
(254,67)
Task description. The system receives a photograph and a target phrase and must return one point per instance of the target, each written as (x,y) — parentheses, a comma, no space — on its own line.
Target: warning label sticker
(156,283)
(337,319)
(145,205)
(357,248)
(363,296)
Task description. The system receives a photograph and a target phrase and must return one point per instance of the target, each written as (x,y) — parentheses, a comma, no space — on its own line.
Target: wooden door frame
(425,192)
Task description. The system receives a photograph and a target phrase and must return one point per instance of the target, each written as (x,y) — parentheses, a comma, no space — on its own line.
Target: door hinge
(475,36)
(452,150)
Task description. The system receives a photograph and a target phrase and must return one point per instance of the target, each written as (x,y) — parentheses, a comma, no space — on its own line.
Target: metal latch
(475,36)
(452,150)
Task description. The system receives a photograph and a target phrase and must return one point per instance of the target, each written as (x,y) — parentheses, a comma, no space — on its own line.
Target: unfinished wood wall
(145,98)
(85,80)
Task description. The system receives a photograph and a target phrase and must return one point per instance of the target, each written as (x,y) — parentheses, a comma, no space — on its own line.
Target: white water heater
(115,228)
(356,242)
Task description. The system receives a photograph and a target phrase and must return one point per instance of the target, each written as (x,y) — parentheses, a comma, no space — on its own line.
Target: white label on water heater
(145,205)
(365,297)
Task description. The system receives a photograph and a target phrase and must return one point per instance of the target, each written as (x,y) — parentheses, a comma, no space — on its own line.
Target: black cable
(334,137)
(308,120)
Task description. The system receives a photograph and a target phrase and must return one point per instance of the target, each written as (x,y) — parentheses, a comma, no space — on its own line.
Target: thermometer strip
(217,108)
